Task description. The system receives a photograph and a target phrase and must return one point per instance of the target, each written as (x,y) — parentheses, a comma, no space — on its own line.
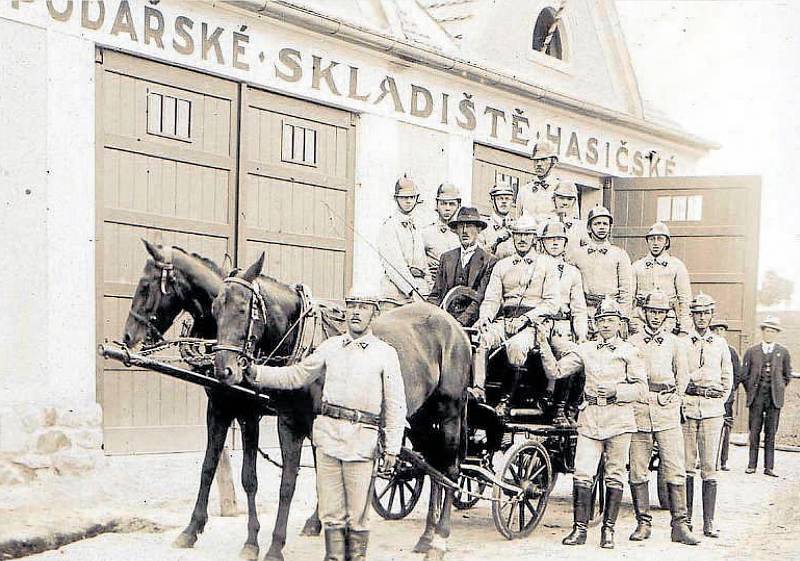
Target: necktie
(602,250)
(609,345)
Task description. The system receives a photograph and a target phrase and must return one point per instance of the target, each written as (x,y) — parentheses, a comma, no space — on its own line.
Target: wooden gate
(714,222)
(166,172)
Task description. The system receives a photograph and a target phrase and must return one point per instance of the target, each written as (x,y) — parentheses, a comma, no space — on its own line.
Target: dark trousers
(726,434)
(763,413)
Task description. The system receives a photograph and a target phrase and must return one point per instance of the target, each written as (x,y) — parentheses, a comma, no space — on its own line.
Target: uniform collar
(599,247)
(612,343)
(660,261)
(695,336)
(364,341)
(499,221)
(442,226)
(528,258)
(649,335)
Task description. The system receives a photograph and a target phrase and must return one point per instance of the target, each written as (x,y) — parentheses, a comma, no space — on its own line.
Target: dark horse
(257,315)
(174,281)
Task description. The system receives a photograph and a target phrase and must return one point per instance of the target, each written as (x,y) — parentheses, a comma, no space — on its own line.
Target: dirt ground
(758,517)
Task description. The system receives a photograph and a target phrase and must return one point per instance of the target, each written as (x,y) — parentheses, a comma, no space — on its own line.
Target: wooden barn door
(714,223)
(166,172)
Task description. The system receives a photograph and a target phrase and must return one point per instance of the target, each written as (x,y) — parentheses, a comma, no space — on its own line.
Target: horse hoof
(423,545)
(249,552)
(271,556)
(434,554)
(311,528)
(184,540)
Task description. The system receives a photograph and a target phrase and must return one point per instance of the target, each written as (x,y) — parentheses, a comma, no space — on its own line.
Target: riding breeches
(344,490)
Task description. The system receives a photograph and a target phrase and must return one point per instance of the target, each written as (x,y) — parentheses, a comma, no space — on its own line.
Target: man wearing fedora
(720,327)
(766,370)
(467,266)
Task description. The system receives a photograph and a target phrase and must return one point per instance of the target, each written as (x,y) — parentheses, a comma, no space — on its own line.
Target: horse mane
(208,262)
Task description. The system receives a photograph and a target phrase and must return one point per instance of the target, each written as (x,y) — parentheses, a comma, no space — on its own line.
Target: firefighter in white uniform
(536,196)
(496,232)
(363,394)
(439,237)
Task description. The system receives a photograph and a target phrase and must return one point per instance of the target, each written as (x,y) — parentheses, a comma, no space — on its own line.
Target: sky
(730,72)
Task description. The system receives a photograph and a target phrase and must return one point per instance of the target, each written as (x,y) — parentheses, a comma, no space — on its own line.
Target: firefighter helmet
(544,149)
(656,300)
(702,303)
(566,189)
(525,224)
(405,187)
(597,212)
(608,307)
(448,192)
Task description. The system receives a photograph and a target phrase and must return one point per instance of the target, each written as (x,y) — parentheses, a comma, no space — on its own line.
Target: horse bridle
(248,353)
(167,277)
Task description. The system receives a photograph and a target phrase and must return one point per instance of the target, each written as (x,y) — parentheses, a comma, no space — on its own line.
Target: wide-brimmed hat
(467,215)
(718,322)
(773,322)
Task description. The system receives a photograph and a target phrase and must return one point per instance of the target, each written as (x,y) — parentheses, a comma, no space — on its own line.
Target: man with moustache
(523,288)
(710,382)
(497,231)
(439,237)
(661,271)
(406,277)
(363,394)
(536,196)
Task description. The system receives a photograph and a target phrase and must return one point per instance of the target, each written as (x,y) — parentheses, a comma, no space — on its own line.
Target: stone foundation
(48,440)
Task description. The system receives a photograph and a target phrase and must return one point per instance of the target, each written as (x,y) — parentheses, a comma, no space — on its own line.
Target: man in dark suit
(469,268)
(720,327)
(767,369)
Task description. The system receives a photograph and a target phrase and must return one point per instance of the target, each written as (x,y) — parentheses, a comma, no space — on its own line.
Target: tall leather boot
(613,500)
(689,500)
(681,533)
(641,505)
(357,545)
(560,396)
(709,505)
(581,502)
(335,544)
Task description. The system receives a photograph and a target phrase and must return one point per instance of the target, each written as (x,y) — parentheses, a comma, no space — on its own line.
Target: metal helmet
(657,300)
(554,229)
(501,188)
(525,224)
(658,229)
(405,187)
(362,295)
(702,302)
(544,149)
(608,307)
(597,212)
(566,189)
(448,192)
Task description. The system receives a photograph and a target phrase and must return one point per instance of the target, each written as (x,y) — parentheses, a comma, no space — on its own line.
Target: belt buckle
(602,401)
(357,416)
(665,397)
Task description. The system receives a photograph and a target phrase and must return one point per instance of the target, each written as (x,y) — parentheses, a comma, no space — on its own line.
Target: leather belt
(348,414)
(515,311)
(659,388)
(594,400)
(560,316)
(594,299)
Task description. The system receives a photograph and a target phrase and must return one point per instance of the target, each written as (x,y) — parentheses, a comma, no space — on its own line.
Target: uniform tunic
(536,198)
(575,227)
(361,374)
(437,239)
(606,271)
(573,302)
(664,357)
(401,246)
(528,284)
(668,274)
(495,233)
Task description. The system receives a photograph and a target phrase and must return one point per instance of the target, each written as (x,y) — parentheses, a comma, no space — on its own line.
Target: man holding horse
(363,395)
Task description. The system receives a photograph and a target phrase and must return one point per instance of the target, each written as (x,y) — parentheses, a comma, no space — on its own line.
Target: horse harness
(167,276)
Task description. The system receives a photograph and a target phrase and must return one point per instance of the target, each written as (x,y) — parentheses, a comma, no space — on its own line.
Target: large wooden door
(166,172)
(714,222)
(297,191)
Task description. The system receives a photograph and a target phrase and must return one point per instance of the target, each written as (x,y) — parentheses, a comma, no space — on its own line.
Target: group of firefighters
(625,343)
(625,348)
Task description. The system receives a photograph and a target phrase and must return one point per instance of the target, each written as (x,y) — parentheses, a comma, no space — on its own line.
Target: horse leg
(217,424)
(291,441)
(425,540)
(250,430)
(451,430)
(313,526)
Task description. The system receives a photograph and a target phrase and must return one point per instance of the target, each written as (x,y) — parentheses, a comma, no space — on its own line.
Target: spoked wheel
(463,501)
(598,495)
(527,467)
(396,496)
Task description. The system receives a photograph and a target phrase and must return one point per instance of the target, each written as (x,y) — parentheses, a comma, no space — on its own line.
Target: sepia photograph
(399,280)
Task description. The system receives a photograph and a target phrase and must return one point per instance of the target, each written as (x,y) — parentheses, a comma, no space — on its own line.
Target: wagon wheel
(462,501)
(663,491)
(526,465)
(395,496)
(598,504)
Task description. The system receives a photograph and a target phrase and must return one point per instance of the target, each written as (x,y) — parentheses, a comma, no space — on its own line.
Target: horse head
(241,314)
(172,281)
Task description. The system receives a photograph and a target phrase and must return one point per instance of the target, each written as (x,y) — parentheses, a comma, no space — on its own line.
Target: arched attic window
(544,23)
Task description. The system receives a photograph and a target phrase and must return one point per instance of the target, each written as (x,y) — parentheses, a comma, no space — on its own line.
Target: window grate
(299,145)
(169,116)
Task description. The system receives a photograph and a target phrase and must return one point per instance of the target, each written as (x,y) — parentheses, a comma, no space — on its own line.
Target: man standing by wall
(720,327)
(767,370)
(363,393)
(406,277)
